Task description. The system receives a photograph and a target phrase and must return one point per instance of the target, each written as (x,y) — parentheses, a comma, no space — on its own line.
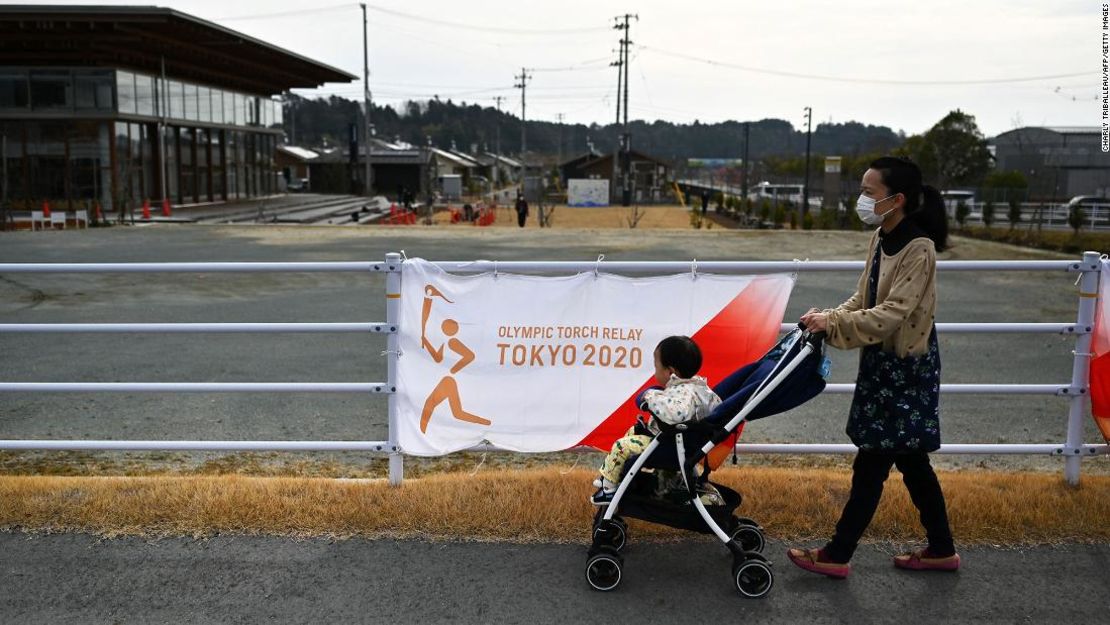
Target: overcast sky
(685,56)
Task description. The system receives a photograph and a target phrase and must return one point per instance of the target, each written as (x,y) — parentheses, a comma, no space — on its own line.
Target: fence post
(1080,371)
(393,318)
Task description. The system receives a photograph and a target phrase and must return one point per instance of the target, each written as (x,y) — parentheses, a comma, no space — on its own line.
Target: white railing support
(1081,365)
(393,318)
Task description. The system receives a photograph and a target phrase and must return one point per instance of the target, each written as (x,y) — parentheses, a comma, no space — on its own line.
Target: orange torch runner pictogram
(448,388)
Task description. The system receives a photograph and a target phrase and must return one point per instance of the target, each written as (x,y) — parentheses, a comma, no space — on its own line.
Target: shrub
(1076,218)
(1014,213)
(962,211)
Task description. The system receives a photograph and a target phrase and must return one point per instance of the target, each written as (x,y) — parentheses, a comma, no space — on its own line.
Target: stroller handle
(813,338)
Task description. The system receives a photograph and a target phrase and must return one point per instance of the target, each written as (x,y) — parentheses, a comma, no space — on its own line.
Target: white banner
(544,364)
(587,192)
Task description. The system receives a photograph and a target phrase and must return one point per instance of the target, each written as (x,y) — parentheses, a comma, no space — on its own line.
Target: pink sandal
(810,560)
(920,560)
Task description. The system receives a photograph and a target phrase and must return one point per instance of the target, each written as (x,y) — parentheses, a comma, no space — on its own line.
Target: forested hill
(467,126)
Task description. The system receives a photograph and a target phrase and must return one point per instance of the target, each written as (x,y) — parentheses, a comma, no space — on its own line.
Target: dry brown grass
(601,217)
(533,505)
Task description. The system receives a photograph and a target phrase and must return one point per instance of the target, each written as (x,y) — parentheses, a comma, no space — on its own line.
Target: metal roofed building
(1058,161)
(120,104)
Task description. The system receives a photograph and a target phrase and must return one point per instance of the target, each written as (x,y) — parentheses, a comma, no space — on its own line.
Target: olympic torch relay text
(615,347)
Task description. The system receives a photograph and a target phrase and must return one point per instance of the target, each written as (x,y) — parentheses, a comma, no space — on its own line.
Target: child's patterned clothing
(680,401)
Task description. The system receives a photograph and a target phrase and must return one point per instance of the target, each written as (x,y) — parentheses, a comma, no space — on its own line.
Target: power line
(263,16)
(593,64)
(773,72)
(488,29)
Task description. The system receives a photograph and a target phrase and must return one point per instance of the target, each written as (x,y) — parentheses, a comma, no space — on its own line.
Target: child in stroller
(791,373)
(681,397)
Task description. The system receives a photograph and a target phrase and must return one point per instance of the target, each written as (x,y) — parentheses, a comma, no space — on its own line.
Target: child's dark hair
(680,353)
(924,204)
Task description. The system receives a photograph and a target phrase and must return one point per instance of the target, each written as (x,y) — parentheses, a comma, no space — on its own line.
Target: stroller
(788,375)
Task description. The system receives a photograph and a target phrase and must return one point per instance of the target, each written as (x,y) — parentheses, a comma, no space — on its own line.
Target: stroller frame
(751,571)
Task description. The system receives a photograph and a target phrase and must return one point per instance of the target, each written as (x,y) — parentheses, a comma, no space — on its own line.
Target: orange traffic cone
(146,209)
(165,208)
(46,209)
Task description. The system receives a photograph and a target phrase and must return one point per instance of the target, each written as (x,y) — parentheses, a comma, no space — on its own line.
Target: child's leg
(623,449)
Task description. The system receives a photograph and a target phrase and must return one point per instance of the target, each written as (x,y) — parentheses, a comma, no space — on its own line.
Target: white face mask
(865,208)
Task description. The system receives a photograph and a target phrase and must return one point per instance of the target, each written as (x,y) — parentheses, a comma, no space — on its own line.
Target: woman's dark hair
(680,353)
(923,202)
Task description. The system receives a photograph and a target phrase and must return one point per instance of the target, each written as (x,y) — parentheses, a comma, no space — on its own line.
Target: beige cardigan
(906,306)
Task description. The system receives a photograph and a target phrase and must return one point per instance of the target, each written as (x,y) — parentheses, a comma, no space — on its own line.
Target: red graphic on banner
(1099,375)
(741,333)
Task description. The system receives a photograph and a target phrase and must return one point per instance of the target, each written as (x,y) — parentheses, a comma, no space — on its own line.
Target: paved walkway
(81,579)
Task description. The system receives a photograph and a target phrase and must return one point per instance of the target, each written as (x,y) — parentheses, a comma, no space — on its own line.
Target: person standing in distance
(521,210)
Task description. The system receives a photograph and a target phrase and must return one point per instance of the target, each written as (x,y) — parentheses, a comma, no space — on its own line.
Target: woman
(894,419)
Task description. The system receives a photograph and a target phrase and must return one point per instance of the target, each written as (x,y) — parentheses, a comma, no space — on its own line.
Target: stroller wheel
(743,520)
(603,570)
(753,578)
(750,538)
(612,533)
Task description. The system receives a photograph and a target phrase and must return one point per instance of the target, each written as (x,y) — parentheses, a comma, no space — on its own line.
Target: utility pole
(523,79)
(368,189)
(497,146)
(809,134)
(560,118)
(626,137)
(747,141)
(292,119)
(619,64)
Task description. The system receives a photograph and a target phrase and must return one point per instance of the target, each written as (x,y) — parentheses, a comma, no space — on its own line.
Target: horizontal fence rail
(196,387)
(197,328)
(243,267)
(363,387)
(106,445)
(836,448)
(483,266)
(1076,390)
(993,328)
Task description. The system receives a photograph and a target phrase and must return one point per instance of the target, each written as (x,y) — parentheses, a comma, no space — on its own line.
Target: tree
(951,153)
(1075,218)
(962,211)
(1005,185)
(1014,213)
(988,214)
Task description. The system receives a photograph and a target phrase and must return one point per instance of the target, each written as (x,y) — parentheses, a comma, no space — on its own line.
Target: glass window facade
(14,90)
(125,92)
(81,137)
(93,91)
(229,108)
(51,90)
(191,102)
(204,104)
(144,95)
(217,106)
(175,93)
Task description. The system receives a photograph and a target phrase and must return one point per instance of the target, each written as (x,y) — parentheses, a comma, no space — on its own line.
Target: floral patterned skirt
(896,407)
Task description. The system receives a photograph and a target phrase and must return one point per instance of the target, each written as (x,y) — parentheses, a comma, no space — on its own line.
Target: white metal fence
(1075,389)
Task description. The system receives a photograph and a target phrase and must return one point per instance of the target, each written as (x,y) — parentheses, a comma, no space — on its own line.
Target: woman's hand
(815,320)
